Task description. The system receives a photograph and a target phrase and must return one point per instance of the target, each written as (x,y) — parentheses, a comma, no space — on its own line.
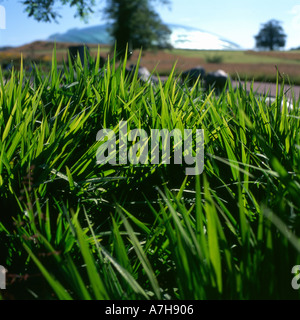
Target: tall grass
(73,229)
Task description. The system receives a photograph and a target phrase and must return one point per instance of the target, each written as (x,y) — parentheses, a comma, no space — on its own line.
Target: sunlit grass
(80,230)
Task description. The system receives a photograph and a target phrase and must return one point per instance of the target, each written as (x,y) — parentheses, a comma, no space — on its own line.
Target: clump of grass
(74,229)
(214,58)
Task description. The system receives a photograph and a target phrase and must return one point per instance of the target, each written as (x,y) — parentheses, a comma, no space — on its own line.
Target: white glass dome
(181,38)
(196,39)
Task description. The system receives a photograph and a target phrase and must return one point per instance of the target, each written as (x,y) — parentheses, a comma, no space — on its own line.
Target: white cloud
(295,12)
(2,18)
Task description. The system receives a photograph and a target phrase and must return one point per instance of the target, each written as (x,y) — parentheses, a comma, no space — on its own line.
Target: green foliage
(74,229)
(45,11)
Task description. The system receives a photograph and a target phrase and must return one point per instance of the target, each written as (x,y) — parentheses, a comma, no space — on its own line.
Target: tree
(271,36)
(134,22)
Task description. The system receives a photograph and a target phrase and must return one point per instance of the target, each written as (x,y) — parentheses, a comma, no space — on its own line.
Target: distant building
(181,38)
(196,39)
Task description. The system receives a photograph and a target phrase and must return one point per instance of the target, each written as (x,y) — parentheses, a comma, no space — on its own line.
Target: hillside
(260,66)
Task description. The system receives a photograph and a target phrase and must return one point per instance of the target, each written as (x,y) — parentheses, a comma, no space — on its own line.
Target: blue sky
(235,20)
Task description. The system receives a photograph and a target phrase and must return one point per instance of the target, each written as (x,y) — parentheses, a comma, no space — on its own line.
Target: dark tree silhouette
(137,24)
(271,36)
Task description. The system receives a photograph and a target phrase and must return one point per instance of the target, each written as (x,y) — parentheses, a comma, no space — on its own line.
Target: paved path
(264,88)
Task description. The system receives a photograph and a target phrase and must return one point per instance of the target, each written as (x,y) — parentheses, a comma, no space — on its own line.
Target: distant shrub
(214,58)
